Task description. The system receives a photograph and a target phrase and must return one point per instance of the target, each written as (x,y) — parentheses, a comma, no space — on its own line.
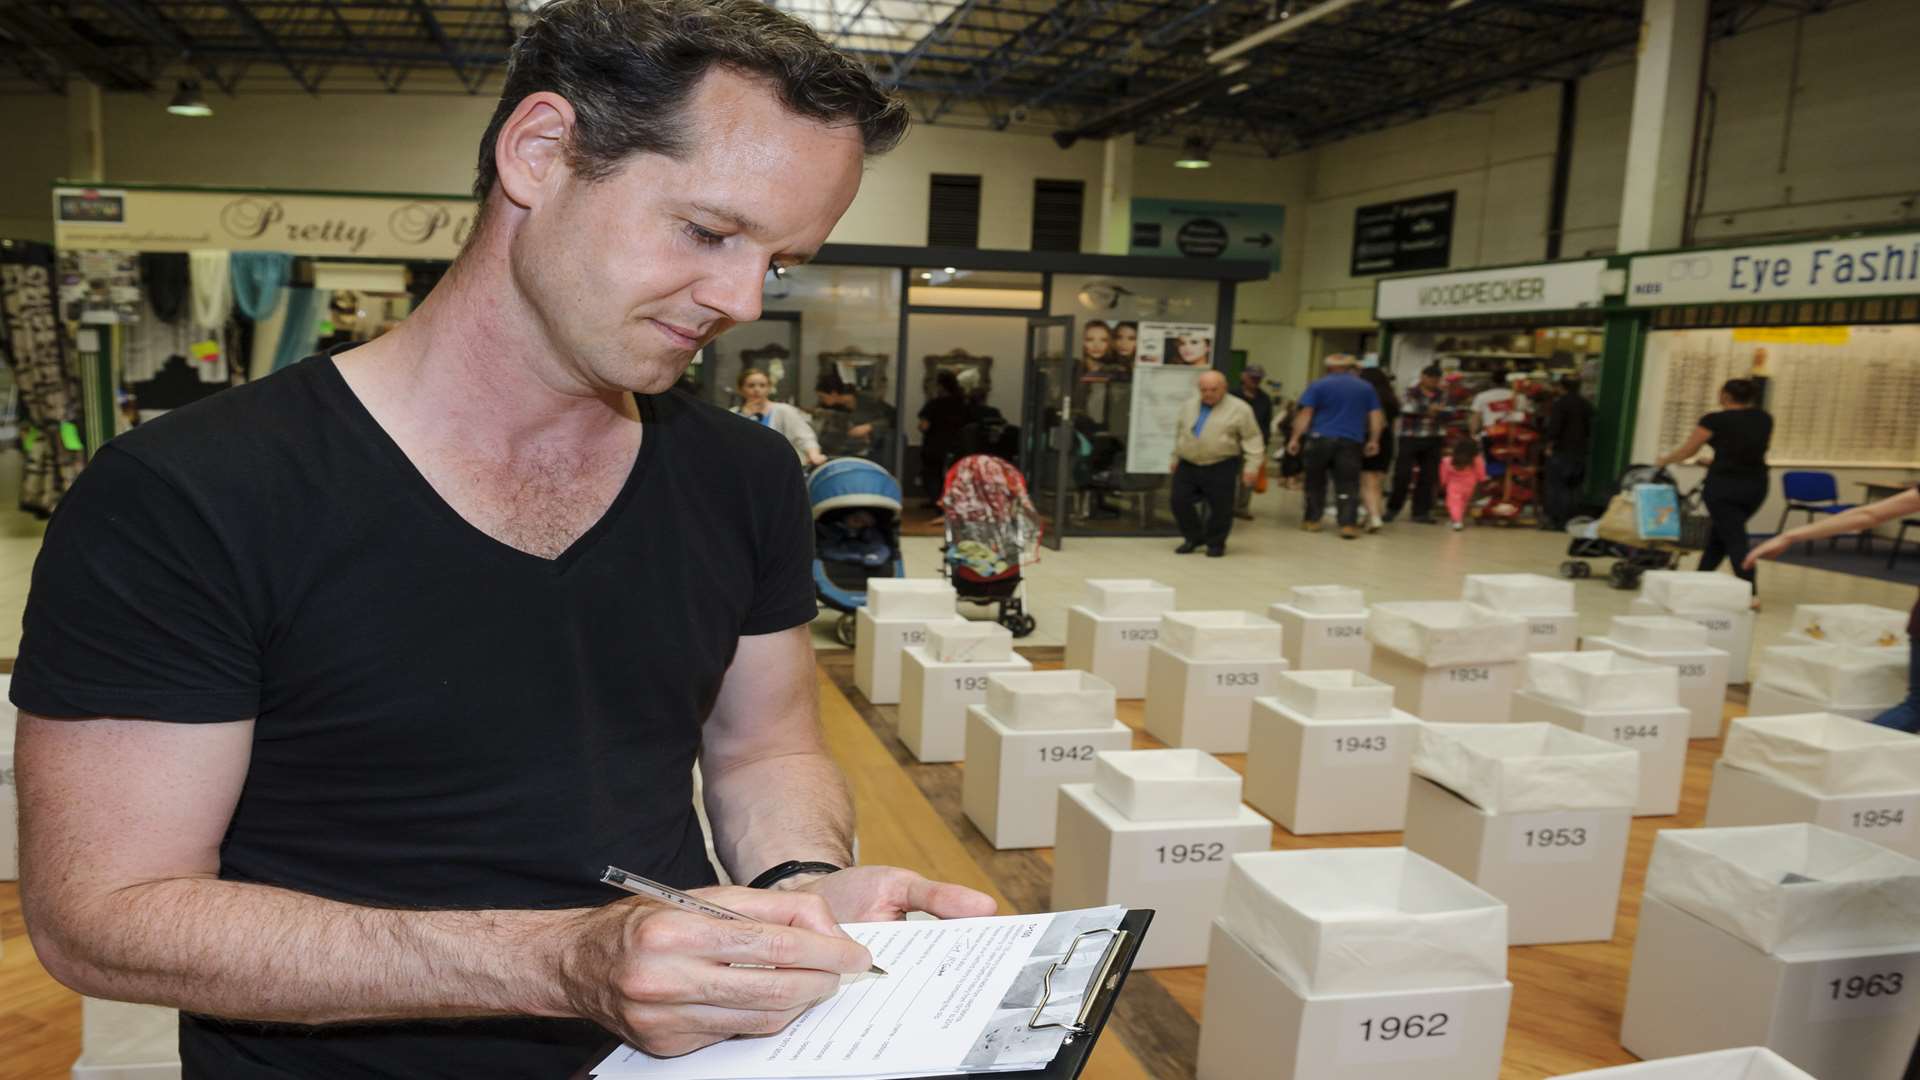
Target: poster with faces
(1188,344)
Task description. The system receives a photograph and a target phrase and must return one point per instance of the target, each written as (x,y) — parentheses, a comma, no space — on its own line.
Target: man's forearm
(255,952)
(768,810)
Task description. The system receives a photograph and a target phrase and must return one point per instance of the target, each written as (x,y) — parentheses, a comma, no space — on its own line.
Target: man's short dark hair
(1570,383)
(830,382)
(1741,391)
(1433,371)
(628,67)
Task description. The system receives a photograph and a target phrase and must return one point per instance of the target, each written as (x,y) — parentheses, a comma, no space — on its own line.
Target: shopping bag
(1657,511)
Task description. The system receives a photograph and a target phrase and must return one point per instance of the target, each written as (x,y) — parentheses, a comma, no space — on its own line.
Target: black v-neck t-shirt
(442,721)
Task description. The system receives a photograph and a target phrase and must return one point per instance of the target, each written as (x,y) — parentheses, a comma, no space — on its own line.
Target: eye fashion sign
(1818,270)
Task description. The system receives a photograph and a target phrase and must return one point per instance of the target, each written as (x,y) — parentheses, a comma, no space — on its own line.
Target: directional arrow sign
(1209,230)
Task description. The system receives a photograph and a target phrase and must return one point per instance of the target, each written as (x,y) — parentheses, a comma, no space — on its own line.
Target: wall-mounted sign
(371,226)
(1407,234)
(1818,270)
(1208,230)
(1546,287)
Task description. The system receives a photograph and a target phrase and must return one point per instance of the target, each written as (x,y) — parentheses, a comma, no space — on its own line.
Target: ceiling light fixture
(1238,88)
(1276,29)
(188,101)
(1194,157)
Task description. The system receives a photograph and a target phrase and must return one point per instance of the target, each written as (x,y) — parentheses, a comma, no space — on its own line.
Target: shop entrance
(983,354)
(1046,424)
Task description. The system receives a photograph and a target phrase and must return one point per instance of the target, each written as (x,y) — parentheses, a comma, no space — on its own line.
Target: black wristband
(790,868)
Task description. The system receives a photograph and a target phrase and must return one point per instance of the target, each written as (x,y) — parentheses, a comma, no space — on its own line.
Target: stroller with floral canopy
(991,530)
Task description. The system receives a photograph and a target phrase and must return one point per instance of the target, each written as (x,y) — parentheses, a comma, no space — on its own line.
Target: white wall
(36,133)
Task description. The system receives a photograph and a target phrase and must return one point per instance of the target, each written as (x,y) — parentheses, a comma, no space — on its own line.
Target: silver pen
(667,894)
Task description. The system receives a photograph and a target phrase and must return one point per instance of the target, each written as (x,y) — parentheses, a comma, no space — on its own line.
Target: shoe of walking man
(1425,413)
(1339,423)
(1219,444)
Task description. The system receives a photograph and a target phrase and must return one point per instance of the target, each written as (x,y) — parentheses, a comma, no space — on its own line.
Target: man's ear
(530,153)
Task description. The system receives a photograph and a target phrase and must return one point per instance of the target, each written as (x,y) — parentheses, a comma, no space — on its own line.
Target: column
(86,150)
(1666,94)
(1116,195)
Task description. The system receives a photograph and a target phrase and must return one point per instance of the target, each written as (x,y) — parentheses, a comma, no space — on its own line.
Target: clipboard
(1111,975)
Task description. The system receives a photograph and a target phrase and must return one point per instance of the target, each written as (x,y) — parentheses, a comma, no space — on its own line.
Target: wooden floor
(1566,1003)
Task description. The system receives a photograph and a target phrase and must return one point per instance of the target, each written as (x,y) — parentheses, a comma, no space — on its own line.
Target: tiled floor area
(1270,555)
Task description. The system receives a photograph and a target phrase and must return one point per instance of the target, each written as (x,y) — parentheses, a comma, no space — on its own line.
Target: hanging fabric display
(167,281)
(49,392)
(212,288)
(302,329)
(257,279)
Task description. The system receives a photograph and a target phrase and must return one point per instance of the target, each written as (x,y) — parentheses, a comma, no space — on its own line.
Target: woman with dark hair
(942,419)
(1737,477)
(1374,467)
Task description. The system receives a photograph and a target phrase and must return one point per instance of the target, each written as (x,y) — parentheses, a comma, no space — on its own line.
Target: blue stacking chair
(1815,493)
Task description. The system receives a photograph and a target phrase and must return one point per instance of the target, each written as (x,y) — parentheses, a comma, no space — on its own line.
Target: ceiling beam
(264,37)
(50,36)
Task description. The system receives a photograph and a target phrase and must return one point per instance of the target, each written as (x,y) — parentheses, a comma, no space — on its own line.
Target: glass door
(1046,422)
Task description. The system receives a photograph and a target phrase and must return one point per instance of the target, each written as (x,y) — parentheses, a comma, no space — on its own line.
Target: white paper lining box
(1176,866)
(1128,597)
(1358,964)
(878,646)
(1828,754)
(1535,814)
(1701,674)
(1658,633)
(965,641)
(1859,625)
(1658,734)
(1316,775)
(1602,680)
(1166,785)
(1205,704)
(1692,590)
(1479,693)
(1112,647)
(1009,783)
(123,1041)
(1728,630)
(1746,1063)
(9,796)
(1446,632)
(1220,635)
(1545,603)
(911,598)
(1838,675)
(1764,700)
(934,696)
(1334,695)
(1323,627)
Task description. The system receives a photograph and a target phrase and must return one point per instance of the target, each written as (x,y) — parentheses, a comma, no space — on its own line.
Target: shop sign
(1408,234)
(1208,230)
(371,226)
(1818,270)
(1546,287)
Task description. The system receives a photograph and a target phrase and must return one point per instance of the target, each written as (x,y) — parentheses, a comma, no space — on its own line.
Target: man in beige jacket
(1217,431)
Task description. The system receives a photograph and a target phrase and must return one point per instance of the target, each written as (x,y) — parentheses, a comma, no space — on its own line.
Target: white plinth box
(1317,776)
(123,1041)
(1558,871)
(1764,700)
(877,647)
(1009,787)
(934,697)
(1729,631)
(1741,797)
(1114,647)
(1701,675)
(1746,1063)
(1205,704)
(1545,603)
(1260,1025)
(1660,736)
(1451,693)
(1315,641)
(1694,987)
(1178,867)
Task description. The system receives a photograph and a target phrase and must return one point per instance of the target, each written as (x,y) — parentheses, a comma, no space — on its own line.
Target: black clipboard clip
(1104,980)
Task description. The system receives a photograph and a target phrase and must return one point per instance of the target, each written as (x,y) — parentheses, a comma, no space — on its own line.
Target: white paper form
(958,999)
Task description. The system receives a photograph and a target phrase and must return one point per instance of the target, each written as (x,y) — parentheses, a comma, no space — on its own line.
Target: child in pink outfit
(1461,475)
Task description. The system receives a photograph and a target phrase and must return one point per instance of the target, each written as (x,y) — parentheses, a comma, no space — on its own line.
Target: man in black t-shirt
(1569,436)
(338,691)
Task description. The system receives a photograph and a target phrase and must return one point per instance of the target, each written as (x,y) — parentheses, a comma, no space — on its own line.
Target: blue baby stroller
(856,535)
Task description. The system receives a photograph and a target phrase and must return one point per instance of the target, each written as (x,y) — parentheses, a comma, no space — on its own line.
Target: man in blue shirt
(1340,420)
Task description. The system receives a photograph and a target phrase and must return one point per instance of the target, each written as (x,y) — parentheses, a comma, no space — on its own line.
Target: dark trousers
(1565,475)
(1730,503)
(1416,472)
(1341,457)
(1211,486)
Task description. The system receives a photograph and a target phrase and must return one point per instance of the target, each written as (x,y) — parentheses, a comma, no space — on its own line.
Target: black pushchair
(991,528)
(1633,557)
(856,535)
